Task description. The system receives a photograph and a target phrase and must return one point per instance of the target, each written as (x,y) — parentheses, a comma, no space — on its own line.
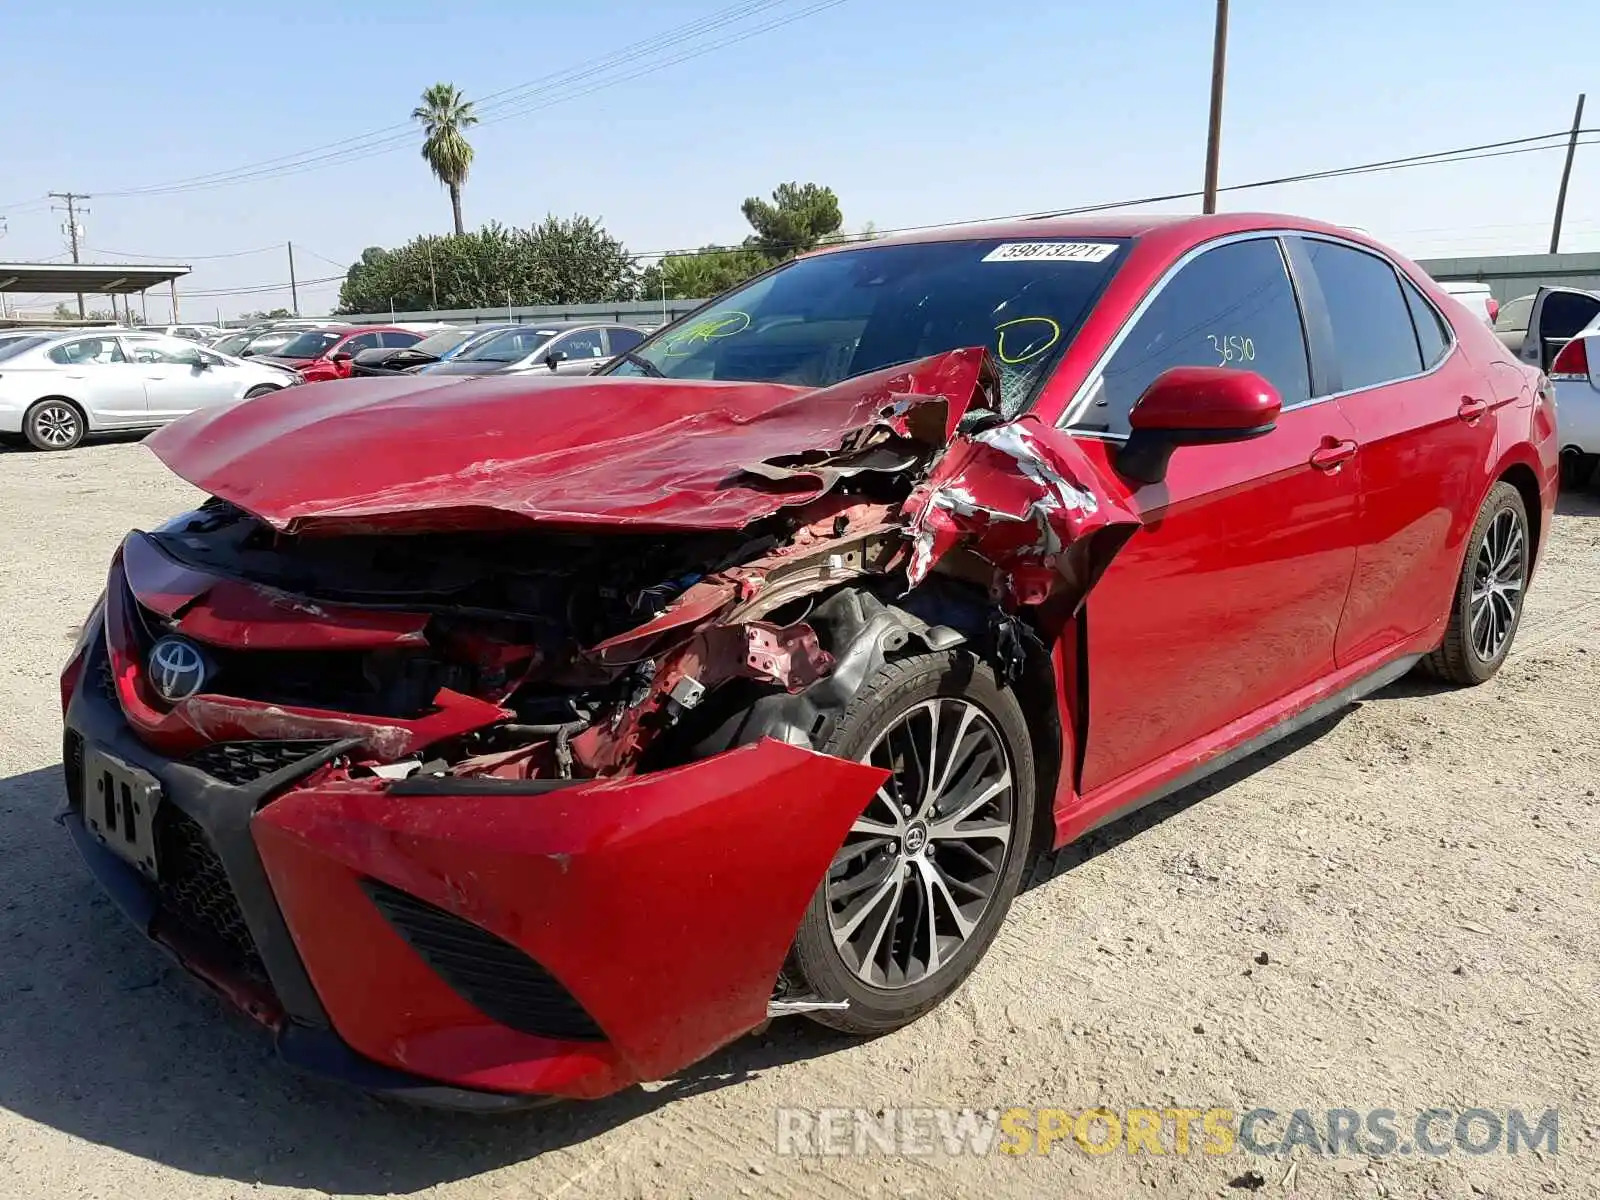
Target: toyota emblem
(176,668)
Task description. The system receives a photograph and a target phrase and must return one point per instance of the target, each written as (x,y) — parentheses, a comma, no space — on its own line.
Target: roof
(98,278)
(1116,225)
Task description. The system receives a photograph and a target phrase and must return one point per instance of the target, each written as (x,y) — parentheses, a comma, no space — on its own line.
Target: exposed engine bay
(525,644)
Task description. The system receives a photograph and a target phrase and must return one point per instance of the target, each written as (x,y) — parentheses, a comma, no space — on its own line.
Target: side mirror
(343,356)
(554,358)
(1194,406)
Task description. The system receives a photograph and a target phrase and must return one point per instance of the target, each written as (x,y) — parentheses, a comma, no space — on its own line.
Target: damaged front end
(582,722)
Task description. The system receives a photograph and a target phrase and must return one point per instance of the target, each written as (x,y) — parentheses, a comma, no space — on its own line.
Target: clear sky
(914,112)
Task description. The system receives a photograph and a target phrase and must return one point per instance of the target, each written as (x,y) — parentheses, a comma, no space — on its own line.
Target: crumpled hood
(434,452)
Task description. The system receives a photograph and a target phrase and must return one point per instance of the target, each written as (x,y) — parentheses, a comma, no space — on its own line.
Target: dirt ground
(1421,875)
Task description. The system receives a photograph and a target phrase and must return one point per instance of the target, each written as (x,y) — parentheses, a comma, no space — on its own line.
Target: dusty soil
(1421,874)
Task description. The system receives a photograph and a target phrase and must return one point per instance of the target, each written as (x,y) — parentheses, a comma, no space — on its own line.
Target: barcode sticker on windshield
(1092,252)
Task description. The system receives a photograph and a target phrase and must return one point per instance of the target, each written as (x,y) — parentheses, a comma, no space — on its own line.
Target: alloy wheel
(56,425)
(922,863)
(1498,575)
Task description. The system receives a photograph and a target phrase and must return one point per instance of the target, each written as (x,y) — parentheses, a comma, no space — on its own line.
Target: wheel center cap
(916,838)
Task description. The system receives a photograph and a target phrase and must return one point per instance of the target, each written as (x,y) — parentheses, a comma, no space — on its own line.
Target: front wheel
(264,389)
(53,424)
(926,874)
(1488,600)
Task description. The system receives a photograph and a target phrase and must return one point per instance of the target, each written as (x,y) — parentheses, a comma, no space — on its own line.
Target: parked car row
(57,386)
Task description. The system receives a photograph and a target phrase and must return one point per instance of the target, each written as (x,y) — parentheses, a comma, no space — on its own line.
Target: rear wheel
(919,889)
(1488,602)
(53,424)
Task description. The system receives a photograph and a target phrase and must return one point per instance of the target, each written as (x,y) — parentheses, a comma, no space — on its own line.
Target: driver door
(1229,597)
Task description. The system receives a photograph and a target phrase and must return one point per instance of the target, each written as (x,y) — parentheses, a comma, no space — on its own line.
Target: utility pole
(1219,57)
(1566,174)
(294,290)
(72,230)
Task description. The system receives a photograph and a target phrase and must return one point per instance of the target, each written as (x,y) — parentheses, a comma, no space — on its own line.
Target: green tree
(274,315)
(710,271)
(444,115)
(799,216)
(572,261)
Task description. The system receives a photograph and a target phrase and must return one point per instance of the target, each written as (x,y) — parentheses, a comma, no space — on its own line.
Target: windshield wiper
(644,364)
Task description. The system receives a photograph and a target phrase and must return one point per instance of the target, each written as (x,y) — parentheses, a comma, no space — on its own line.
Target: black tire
(261,389)
(1462,658)
(1578,469)
(899,690)
(54,423)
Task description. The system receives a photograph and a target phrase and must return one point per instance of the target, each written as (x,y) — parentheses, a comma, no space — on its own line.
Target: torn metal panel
(1025,498)
(645,453)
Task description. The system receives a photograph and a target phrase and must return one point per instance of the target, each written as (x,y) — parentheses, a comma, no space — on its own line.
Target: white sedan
(57,387)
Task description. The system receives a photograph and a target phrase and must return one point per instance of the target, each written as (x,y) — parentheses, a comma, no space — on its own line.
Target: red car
(488,744)
(322,354)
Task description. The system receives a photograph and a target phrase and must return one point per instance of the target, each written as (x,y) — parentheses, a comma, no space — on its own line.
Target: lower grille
(242,763)
(492,975)
(72,767)
(194,889)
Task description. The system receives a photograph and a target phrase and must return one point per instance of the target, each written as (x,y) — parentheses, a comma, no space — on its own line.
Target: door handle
(1332,455)
(1471,409)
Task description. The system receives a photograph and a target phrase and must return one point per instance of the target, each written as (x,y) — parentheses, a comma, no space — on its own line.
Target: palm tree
(444,114)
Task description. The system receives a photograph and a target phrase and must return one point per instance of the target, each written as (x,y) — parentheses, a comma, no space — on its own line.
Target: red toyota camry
(485,744)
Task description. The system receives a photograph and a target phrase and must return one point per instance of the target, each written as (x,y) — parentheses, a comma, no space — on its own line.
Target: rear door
(1425,431)
(1229,596)
(1555,319)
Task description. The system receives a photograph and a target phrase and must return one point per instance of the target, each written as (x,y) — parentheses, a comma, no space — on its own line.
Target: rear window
(10,347)
(1514,314)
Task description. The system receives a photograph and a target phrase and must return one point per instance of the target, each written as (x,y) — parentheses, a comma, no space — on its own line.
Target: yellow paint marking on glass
(725,325)
(1032,349)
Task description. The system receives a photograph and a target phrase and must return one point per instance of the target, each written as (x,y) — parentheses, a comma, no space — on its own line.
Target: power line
(556,89)
(184,258)
(1434,158)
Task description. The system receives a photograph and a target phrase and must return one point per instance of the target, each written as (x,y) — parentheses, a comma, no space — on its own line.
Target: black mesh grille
(492,975)
(72,767)
(242,763)
(194,889)
(108,681)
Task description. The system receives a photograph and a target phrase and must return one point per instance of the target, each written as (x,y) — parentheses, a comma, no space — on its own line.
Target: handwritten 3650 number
(1232,348)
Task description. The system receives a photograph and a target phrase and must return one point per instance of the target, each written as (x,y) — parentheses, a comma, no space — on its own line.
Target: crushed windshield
(511,346)
(819,320)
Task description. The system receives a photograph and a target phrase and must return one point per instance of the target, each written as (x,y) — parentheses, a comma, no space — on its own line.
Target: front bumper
(477,943)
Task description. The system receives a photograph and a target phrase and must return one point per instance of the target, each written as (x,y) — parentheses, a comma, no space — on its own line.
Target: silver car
(55,388)
(562,348)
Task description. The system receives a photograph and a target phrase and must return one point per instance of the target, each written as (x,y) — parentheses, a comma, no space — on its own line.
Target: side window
(85,351)
(399,338)
(163,350)
(1514,314)
(1433,338)
(623,340)
(1373,338)
(582,343)
(362,341)
(1233,306)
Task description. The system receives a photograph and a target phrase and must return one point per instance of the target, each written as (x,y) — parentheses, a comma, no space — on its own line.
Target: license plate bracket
(119,808)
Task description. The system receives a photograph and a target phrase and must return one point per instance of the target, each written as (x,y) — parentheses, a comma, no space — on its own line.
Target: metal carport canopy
(91,278)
